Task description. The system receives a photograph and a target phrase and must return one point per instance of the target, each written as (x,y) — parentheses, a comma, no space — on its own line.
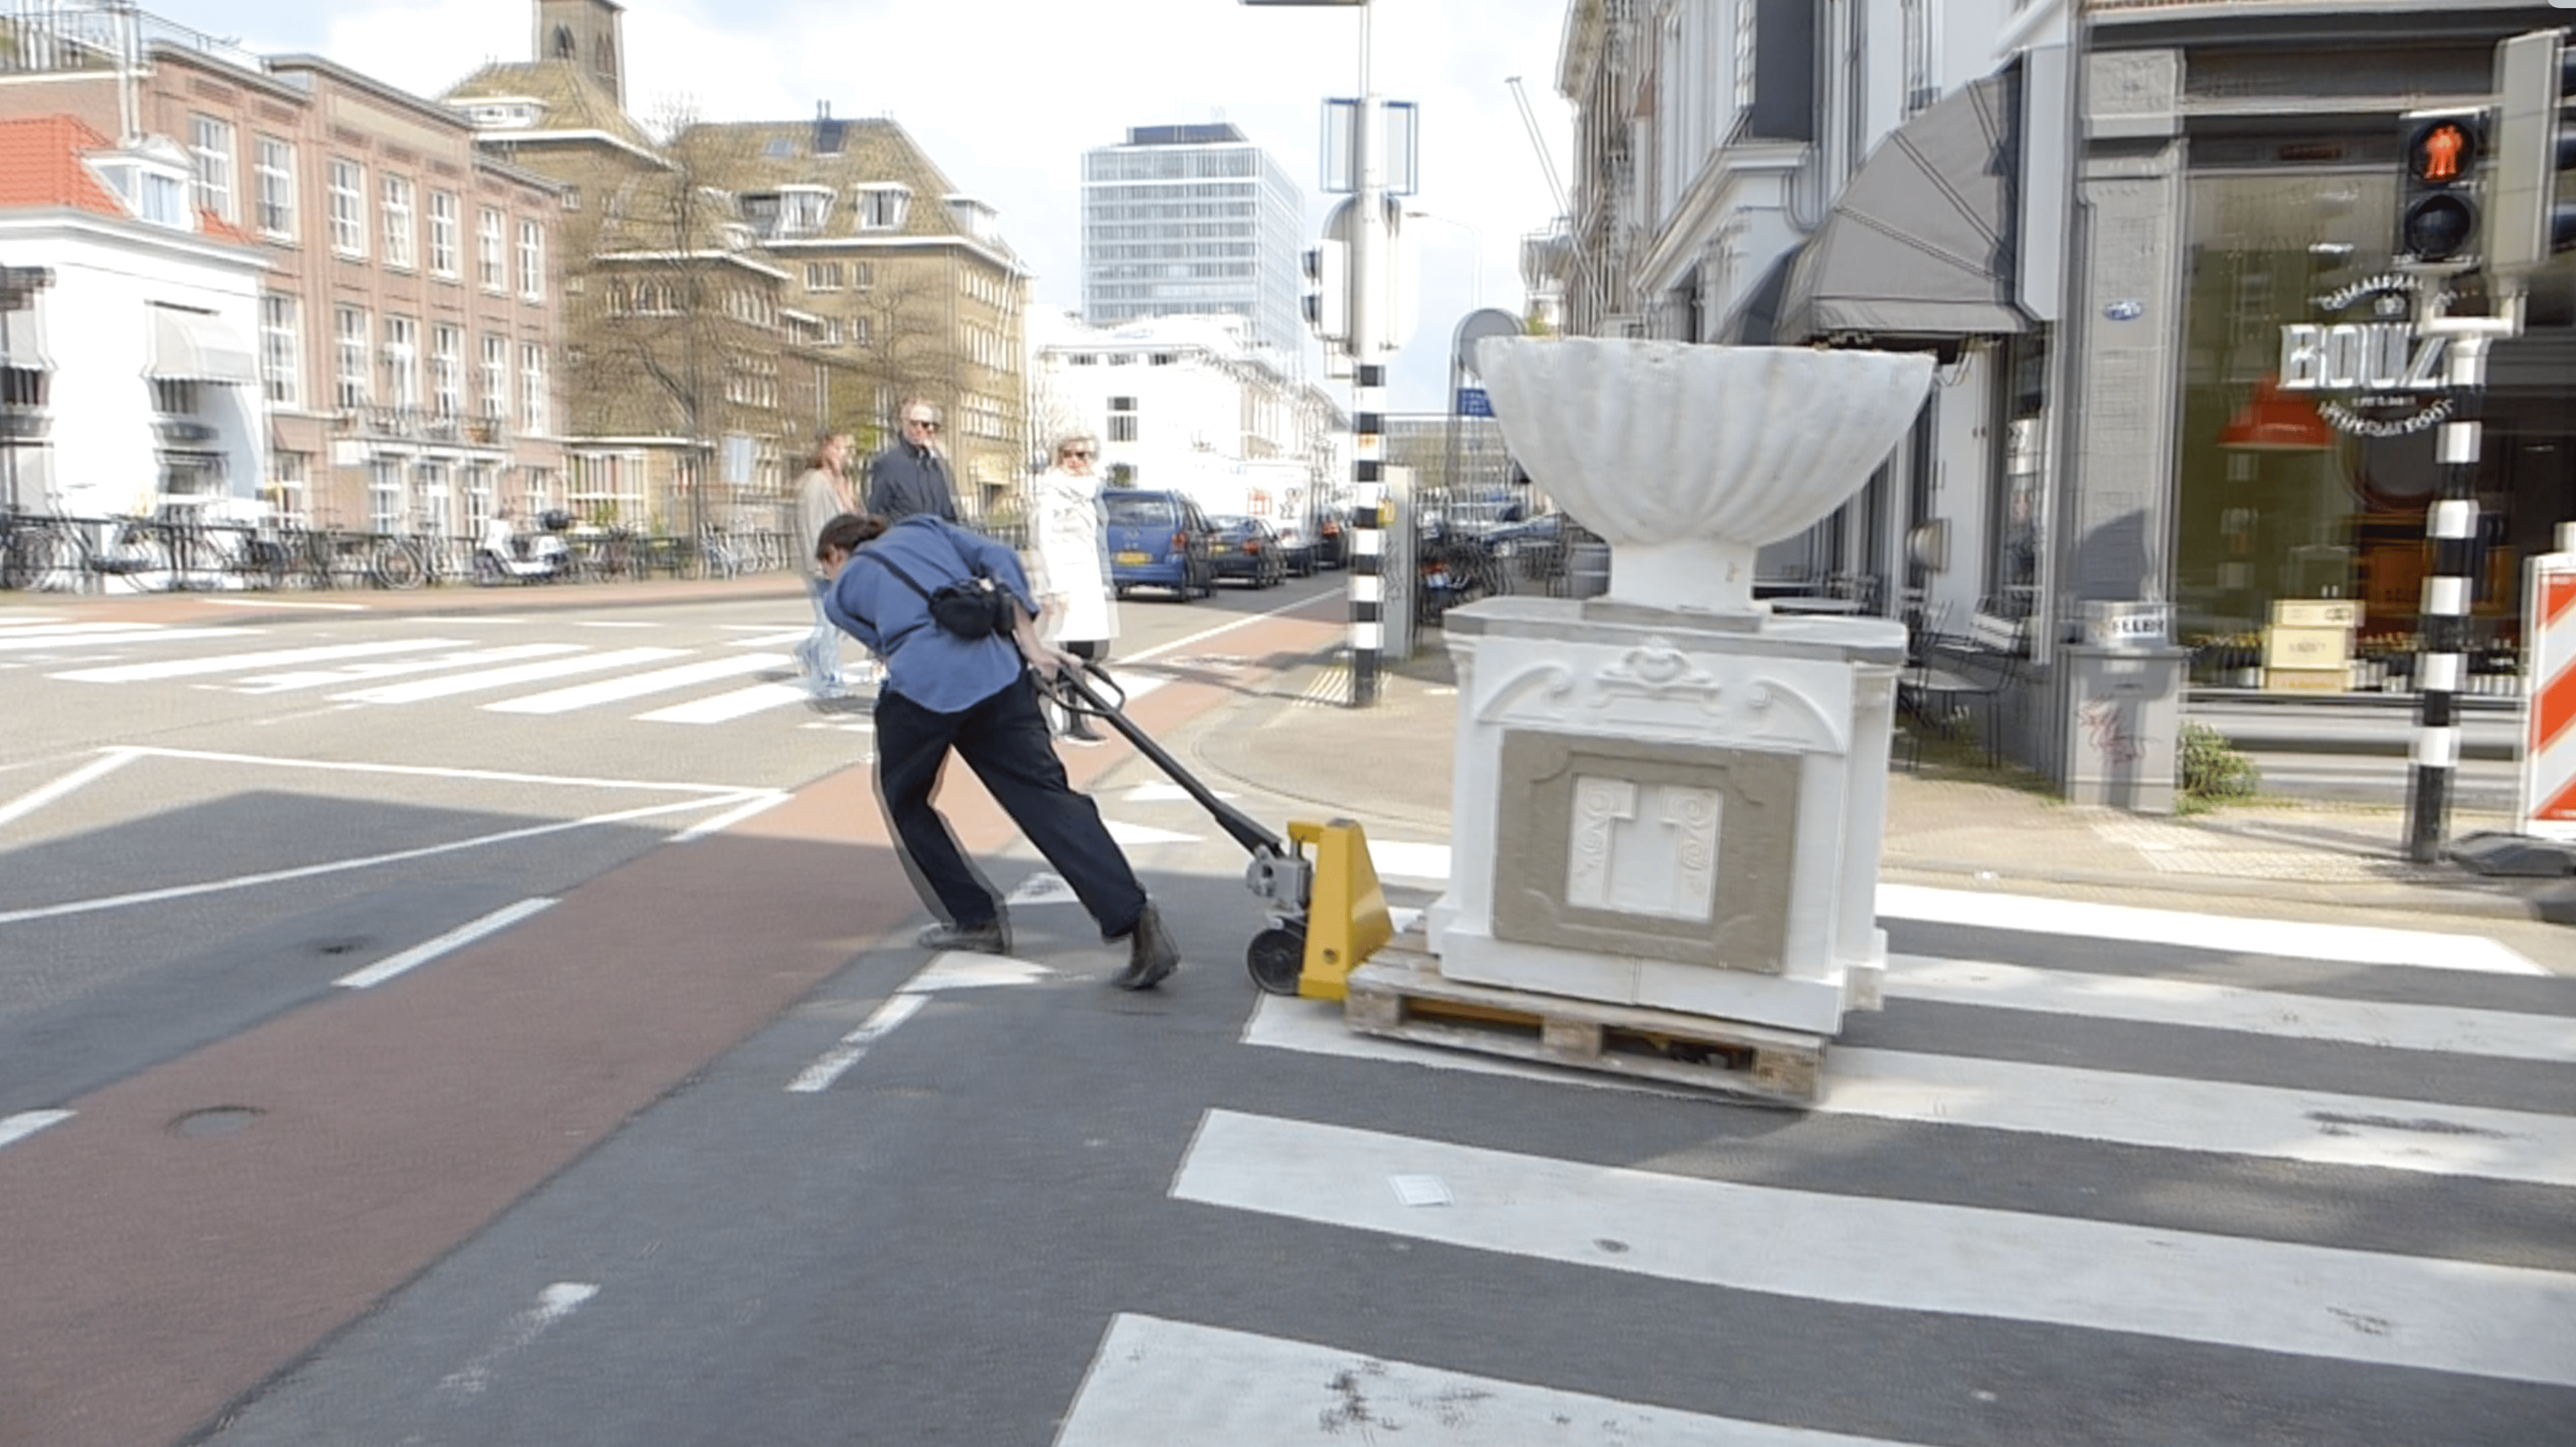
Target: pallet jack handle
(1074,692)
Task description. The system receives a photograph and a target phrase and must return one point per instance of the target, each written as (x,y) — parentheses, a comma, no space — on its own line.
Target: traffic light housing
(2438,187)
(1328,291)
(2534,211)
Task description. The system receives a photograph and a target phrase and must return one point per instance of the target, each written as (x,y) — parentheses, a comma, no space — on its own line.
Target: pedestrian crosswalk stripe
(772,640)
(1124,833)
(2328,1302)
(427,688)
(726,707)
(2157,1001)
(2168,1113)
(243,662)
(1154,1380)
(2234,934)
(636,685)
(38,643)
(76,630)
(363,672)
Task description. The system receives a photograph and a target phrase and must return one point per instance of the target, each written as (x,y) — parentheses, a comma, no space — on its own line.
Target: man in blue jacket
(942,691)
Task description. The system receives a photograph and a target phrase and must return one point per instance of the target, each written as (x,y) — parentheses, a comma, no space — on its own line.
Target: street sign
(1472,402)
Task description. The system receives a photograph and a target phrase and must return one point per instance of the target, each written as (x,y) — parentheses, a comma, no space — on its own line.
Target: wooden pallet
(1400,993)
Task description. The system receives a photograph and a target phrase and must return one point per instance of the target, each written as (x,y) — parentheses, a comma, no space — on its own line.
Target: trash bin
(2122,724)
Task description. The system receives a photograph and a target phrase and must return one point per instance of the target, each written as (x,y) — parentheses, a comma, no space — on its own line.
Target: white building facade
(147,383)
(1192,220)
(1192,404)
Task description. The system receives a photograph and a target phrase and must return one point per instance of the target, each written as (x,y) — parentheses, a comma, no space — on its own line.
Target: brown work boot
(1151,955)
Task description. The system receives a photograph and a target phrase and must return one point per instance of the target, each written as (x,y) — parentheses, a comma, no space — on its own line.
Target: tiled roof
(751,156)
(572,100)
(40,165)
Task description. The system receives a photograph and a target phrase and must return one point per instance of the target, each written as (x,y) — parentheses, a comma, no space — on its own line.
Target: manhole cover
(214,1120)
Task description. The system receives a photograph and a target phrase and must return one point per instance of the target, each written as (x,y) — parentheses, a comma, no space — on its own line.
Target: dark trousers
(1004,740)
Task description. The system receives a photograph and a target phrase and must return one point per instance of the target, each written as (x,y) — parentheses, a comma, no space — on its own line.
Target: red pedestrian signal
(2438,202)
(2440,153)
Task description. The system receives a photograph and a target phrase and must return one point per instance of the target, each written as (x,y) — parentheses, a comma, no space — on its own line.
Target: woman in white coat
(1069,562)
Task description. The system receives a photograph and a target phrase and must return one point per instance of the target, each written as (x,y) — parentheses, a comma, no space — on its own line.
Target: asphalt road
(706,1153)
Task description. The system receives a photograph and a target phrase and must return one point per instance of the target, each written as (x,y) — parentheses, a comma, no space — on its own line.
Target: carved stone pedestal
(1674,810)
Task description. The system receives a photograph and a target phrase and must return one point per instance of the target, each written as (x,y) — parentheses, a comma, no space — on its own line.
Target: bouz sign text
(2374,377)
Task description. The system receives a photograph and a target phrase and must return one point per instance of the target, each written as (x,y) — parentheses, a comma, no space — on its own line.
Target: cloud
(1007,94)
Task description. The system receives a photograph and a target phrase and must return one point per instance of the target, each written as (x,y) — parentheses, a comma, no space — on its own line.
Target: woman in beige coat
(1069,562)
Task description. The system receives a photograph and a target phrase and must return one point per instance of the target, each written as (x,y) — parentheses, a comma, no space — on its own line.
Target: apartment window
(399,230)
(291,476)
(348,207)
(496,378)
(822,276)
(863,331)
(211,142)
(532,261)
(273,171)
(399,362)
(863,275)
(532,388)
(1744,55)
(1919,93)
(349,334)
(442,233)
(280,360)
(1122,419)
(164,201)
(491,267)
(447,370)
(882,207)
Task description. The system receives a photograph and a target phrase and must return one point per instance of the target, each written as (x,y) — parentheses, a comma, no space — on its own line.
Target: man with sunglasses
(911,477)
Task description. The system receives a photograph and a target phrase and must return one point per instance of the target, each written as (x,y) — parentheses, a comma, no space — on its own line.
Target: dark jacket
(903,481)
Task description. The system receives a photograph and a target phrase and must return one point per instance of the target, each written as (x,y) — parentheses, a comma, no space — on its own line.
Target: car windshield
(1139,512)
(1226,523)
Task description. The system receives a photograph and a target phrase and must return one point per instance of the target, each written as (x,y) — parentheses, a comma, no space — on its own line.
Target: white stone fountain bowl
(1654,443)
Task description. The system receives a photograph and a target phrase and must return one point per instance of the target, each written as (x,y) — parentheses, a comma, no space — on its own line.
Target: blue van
(1158,540)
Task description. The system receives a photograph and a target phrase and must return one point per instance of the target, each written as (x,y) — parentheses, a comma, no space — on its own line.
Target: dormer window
(504,115)
(882,206)
(153,185)
(802,209)
(973,217)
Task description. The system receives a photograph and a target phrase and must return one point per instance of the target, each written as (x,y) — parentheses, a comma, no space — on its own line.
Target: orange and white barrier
(2549,715)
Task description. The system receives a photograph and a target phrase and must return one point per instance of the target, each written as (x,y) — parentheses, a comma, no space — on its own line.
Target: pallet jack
(1327,911)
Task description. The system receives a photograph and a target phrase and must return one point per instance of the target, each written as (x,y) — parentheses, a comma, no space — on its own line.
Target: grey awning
(1756,322)
(1920,245)
(25,344)
(197,347)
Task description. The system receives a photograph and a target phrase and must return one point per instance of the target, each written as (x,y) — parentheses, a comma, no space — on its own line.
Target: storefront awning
(25,345)
(1920,245)
(197,347)
(1756,322)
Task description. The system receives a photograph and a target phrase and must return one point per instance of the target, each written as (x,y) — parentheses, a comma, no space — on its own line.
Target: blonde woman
(1069,562)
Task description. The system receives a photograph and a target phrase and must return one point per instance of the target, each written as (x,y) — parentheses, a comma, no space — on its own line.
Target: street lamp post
(1368,324)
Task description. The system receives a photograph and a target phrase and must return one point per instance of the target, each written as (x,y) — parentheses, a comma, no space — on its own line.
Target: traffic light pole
(1368,393)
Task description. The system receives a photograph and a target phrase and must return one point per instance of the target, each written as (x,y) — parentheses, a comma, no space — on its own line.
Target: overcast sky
(1007,94)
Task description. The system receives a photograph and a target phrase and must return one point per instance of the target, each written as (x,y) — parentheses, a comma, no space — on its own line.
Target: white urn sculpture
(1686,459)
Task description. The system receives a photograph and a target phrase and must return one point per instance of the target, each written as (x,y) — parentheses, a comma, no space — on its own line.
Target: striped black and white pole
(1368,540)
(2442,658)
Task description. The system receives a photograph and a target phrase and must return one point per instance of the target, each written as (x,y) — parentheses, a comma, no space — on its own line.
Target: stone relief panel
(1648,850)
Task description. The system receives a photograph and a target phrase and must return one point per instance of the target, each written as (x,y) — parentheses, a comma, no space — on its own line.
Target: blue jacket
(924,662)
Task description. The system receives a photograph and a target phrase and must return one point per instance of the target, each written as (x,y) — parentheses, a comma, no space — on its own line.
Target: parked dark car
(1158,540)
(1247,550)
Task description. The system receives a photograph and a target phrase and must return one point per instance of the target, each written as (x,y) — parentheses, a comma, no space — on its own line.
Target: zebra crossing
(2315,1196)
(742,673)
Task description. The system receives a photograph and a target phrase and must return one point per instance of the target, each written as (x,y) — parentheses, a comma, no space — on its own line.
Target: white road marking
(1126,834)
(1397,859)
(553,1304)
(2168,1113)
(611,623)
(1166,794)
(836,1061)
(108,762)
(772,640)
(391,668)
(22,643)
(1042,887)
(428,950)
(1177,644)
(1154,1380)
(2468,1317)
(726,707)
(2150,1000)
(735,815)
(338,866)
(422,689)
(636,685)
(949,970)
(15,1128)
(432,771)
(245,662)
(34,629)
(2342,943)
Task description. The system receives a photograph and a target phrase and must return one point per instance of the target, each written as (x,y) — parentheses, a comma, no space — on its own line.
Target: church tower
(586,33)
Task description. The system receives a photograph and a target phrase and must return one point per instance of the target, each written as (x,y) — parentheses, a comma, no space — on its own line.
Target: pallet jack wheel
(1277,959)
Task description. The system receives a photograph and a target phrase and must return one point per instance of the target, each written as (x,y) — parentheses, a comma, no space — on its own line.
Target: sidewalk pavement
(1961,826)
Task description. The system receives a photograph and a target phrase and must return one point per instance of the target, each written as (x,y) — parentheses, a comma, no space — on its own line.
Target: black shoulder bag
(970,608)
